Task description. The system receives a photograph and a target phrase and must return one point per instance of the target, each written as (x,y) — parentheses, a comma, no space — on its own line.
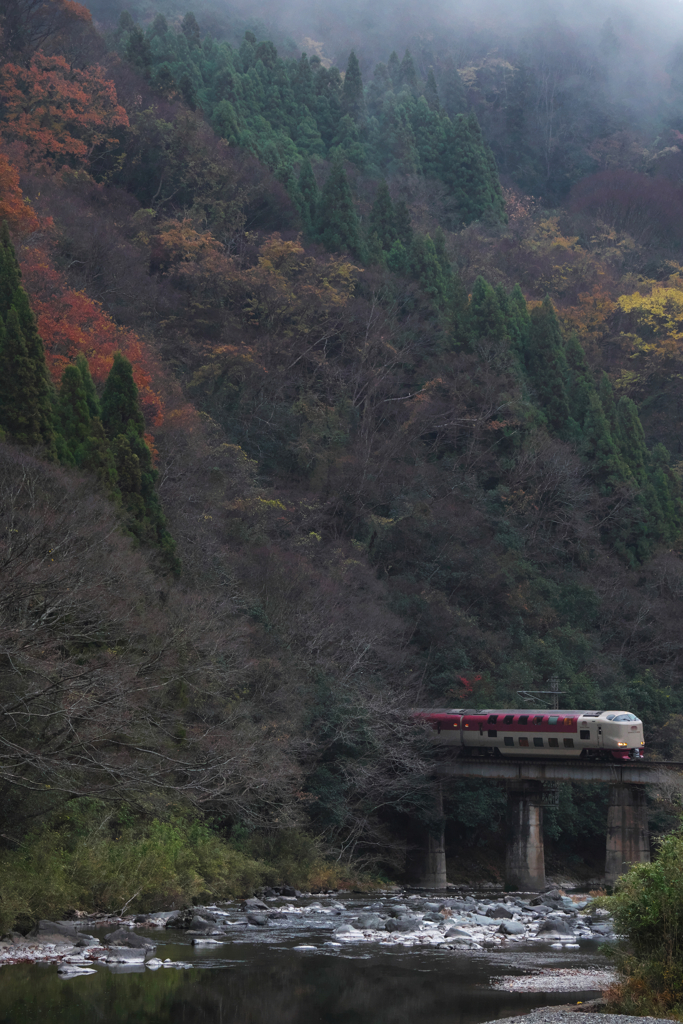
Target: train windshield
(624,718)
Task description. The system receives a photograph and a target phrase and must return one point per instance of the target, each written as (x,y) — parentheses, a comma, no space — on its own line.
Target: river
(258,977)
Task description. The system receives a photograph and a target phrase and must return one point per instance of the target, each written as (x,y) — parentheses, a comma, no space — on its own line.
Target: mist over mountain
(625,59)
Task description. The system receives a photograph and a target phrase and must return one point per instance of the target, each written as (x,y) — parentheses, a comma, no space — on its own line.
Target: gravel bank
(548,1016)
(567,979)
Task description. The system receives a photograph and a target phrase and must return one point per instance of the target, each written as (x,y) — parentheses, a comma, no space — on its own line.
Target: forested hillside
(326,391)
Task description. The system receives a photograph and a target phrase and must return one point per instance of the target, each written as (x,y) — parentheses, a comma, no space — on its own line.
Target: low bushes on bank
(648,911)
(84,860)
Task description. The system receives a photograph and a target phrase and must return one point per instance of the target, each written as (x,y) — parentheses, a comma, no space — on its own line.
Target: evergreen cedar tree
(25,399)
(286,112)
(574,407)
(72,426)
(337,224)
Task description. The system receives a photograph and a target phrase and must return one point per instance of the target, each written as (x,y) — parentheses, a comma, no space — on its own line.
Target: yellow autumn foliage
(657,315)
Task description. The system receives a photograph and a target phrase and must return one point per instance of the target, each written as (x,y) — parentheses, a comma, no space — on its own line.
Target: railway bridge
(531,783)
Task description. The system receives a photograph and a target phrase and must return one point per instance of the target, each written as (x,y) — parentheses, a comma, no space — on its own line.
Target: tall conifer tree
(337,221)
(25,390)
(425,268)
(137,477)
(486,317)
(606,466)
(547,366)
(394,69)
(73,416)
(606,392)
(88,386)
(631,439)
(308,190)
(352,98)
(383,218)
(453,97)
(404,224)
(581,385)
(431,92)
(120,406)
(518,324)
(407,74)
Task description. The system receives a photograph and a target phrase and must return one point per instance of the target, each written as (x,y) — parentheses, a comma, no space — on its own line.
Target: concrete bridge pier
(525,859)
(628,839)
(426,852)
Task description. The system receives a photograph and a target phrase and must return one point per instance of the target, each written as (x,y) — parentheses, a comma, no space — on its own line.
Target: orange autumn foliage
(13,207)
(54,114)
(71,324)
(195,260)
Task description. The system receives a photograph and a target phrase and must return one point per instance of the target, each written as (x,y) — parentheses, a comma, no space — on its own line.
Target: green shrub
(648,911)
(91,858)
(163,864)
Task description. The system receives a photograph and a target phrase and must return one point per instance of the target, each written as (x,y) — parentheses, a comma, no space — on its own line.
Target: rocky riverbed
(464,923)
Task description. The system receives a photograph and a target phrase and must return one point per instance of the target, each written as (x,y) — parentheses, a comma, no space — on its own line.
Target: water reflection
(246,984)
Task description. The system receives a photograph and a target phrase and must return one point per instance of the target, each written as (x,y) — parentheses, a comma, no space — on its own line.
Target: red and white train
(528,733)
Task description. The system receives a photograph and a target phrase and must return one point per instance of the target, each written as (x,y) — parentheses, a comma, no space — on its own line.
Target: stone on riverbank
(53,932)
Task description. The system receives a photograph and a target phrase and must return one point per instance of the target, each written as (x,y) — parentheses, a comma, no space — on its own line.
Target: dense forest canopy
(340,373)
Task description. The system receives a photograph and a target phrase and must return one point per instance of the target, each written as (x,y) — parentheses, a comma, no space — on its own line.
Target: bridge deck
(507,769)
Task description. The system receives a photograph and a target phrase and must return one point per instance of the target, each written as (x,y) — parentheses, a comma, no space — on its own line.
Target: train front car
(618,734)
(525,733)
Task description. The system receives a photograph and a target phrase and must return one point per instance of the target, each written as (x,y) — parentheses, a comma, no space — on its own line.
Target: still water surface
(268,982)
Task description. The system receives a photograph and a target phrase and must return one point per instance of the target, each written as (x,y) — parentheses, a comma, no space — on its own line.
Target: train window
(625,718)
(569,721)
(523,719)
(585,734)
(509,741)
(610,718)
(493,718)
(569,743)
(538,741)
(553,741)
(493,732)
(508,719)
(552,720)
(538,720)
(523,741)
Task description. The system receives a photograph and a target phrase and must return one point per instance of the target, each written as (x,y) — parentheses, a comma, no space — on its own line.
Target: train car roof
(512,711)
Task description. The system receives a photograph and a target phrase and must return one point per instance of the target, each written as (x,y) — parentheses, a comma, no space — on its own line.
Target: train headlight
(620,744)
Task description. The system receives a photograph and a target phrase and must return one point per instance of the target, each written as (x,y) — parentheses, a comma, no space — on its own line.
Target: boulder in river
(257,919)
(346,929)
(181,919)
(500,911)
(512,928)
(402,924)
(399,910)
(254,904)
(203,924)
(370,922)
(602,928)
(556,895)
(555,923)
(124,937)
